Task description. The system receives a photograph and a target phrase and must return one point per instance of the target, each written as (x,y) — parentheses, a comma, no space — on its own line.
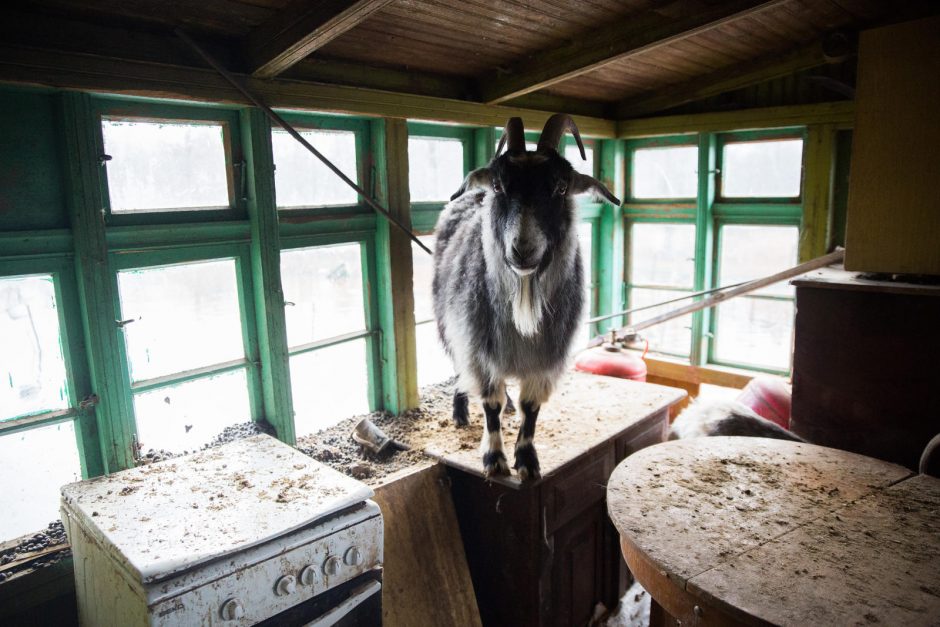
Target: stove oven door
(356,603)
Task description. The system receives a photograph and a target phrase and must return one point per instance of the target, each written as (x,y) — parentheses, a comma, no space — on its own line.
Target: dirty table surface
(585,411)
(760,531)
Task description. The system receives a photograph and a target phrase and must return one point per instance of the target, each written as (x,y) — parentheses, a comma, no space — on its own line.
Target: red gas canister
(769,397)
(611,361)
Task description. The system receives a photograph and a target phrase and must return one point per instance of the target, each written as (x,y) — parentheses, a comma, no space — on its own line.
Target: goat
(707,418)
(508,282)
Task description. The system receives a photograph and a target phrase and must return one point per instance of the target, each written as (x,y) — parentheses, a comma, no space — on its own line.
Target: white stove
(228,536)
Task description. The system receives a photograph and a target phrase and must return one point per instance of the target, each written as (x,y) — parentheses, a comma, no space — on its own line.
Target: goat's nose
(521,252)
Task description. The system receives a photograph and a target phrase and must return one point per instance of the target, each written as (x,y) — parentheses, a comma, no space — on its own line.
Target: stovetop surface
(174,515)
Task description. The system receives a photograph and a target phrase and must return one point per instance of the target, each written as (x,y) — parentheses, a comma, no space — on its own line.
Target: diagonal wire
(293,133)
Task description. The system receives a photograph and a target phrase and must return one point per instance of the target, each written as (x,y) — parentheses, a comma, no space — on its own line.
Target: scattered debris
(374,439)
(52,536)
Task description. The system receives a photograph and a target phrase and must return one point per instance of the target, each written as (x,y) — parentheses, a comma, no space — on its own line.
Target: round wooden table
(735,530)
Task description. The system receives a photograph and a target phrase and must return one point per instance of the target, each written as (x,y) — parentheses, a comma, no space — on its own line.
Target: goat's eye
(497,188)
(561,188)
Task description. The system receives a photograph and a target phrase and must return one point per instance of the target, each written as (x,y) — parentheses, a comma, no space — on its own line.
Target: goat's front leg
(532,394)
(494,459)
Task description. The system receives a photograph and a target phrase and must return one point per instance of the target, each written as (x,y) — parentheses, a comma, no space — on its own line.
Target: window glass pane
(766,169)
(435,168)
(31,363)
(755,331)
(662,254)
(586,239)
(422,278)
(665,172)
(187,416)
(750,252)
(673,337)
(573,155)
(434,365)
(323,292)
(329,384)
(184,316)
(34,464)
(165,165)
(301,180)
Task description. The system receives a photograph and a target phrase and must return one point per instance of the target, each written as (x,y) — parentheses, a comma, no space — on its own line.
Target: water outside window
(187,416)
(762,169)
(670,172)
(323,291)
(434,365)
(301,180)
(31,362)
(184,316)
(165,166)
(34,464)
(435,168)
(329,385)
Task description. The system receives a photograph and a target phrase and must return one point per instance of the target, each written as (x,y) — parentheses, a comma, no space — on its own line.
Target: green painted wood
(484,146)
(268,296)
(704,243)
(109,377)
(610,237)
(394,287)
(818,171)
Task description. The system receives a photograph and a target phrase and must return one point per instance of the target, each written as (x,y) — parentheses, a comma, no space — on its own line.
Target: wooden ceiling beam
(301,28)
(623,40)
(723,80)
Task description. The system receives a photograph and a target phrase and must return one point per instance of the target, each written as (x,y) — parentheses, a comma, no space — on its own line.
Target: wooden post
(394,287)
(818,152)
(96,286)
(268,295)
(704,243)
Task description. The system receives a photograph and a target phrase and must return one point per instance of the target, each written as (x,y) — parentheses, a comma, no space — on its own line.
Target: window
(573,155)
(434,365)
(301,180)
(668,172)
(165,165)
(690,231)
(586,239)
(436,168)
(183,336)
(326,331)
(35,461)
(762,169)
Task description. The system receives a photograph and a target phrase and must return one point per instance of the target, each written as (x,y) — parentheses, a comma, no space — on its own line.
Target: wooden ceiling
(606,58)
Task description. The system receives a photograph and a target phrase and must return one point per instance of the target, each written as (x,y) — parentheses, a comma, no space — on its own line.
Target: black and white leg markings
(527,461)
(461,409)
(494,459)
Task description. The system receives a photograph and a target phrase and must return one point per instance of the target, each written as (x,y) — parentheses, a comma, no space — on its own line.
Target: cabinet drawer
(577,489)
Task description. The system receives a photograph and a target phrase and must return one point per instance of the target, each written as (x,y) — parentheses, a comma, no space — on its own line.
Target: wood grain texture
(425,579)
(893,224)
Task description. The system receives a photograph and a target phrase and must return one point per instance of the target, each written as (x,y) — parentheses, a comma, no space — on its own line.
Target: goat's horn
(515,134)
(555,127)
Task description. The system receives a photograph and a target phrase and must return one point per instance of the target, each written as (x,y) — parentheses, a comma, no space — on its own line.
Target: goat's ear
(479,178)
(582,184)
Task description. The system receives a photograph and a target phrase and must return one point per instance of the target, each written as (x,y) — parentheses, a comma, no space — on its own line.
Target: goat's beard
(527,306)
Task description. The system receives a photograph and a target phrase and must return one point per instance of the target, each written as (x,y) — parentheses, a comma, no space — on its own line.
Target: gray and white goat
(508,282)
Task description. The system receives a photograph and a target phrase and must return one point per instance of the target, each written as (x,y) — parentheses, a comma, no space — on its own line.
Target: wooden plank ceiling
(607,58)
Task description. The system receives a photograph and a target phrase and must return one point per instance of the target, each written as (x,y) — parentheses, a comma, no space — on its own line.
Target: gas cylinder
(769,397)
(611,361)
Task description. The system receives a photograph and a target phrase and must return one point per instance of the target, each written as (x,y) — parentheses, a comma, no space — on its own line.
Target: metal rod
(711,301)
(665,302)
(277,119)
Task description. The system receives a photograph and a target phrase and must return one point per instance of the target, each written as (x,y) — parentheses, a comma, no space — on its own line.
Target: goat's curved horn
(555,127)
(515,134)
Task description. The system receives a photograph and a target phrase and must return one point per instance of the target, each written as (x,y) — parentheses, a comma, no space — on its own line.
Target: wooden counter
(544,552)
(756,531)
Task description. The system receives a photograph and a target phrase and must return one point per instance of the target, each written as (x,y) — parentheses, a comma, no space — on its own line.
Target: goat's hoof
(461,420)
(527,463)
(494,463)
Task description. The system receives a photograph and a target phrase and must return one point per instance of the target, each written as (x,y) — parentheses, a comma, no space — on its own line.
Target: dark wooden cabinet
(546,553)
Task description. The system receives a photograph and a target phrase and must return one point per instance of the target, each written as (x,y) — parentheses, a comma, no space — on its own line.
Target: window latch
(103,158)
(89,401)
(123,323)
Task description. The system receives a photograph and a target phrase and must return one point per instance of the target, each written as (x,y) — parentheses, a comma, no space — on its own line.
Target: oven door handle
(356,598)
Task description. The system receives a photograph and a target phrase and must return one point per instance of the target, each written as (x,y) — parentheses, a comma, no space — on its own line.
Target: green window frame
(708,212)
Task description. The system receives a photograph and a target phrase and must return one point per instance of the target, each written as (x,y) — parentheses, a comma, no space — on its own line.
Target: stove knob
(232,610)
(285,585)
(309,576)
(332,565)
(353,556)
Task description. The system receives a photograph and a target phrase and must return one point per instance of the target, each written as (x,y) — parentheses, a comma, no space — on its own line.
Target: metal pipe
(711,301)
(665,302)
(277,119)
